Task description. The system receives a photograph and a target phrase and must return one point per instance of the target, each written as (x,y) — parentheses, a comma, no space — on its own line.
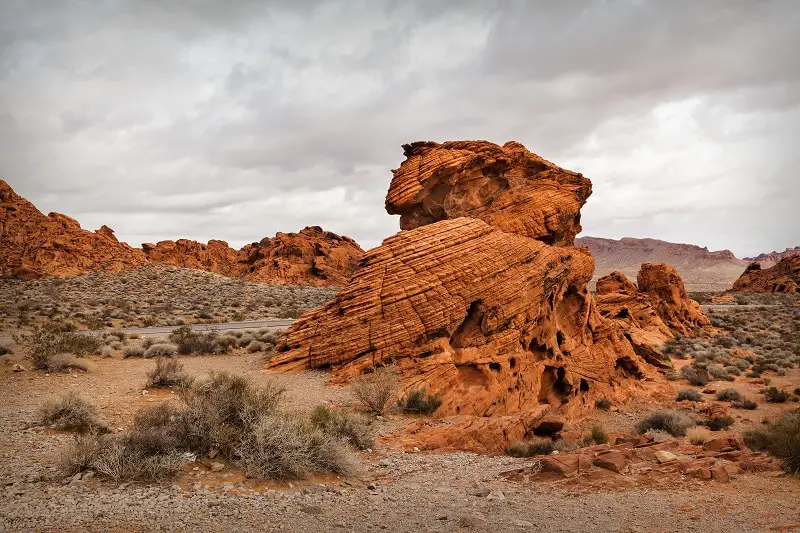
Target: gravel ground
(396,491)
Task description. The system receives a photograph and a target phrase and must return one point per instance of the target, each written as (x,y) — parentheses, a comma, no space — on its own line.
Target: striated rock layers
(771,259)
(784,277)
(653,312)
(311,257)
(33,245)
(483,301)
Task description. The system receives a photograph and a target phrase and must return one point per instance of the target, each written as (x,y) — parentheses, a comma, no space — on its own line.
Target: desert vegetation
(150,296)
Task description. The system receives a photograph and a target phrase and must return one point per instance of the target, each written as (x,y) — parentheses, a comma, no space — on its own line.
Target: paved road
(738,306)
(279,323)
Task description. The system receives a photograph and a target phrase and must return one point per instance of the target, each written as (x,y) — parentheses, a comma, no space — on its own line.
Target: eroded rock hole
(626,367)
(469,333)
(512,362)
(584,387)
(495,367)
(554,389)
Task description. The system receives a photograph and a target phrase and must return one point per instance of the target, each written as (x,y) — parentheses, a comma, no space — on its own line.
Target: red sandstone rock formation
(652,313)
(33,245)
(771,259)
(784,277)
(481,310)
(506,186)
(311,257)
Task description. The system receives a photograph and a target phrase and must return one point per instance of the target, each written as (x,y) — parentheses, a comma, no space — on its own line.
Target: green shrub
(419,401)
(698,379)
(673,422)
(374,391)
(729,395)
(775,395)
(689,394)
(531,448)
(781,439)
(71,411)
(597,436)
(192,342)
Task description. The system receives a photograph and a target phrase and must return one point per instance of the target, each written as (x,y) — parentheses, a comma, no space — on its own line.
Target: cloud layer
(238,119)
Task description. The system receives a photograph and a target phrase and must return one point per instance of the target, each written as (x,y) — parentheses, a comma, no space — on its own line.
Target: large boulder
(506,186)
(784,277)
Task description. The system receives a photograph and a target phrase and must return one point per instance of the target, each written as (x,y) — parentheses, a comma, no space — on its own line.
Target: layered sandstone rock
(481,310)
(311,257)
(784,277)
(653,312)
(33,245)
(506,186)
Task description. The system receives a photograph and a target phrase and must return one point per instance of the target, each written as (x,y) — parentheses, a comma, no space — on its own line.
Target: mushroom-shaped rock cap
(506,186)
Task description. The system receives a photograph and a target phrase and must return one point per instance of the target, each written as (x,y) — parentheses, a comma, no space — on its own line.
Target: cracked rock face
(783,277)
(482,301)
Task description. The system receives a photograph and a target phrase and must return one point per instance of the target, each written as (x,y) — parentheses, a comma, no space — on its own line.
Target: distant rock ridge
(33,246)
(700,269)
(784,277)
(773,258)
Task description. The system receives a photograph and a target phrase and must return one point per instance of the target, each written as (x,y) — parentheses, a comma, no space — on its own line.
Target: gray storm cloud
(237,119)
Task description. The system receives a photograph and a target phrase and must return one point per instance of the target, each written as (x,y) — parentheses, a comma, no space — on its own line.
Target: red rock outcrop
(311,257)
(33,245)
(771,259)
(652,313)
(480,310)
(784,277)
(506,186)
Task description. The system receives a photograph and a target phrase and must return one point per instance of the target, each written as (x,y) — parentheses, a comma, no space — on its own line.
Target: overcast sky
(237,119)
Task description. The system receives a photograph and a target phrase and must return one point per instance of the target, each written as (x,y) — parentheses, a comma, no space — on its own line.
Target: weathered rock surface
(651,313)
(311,257)
(700,269)
(33,245)
(784,277)
(771,259)
(482,311)
(506,186)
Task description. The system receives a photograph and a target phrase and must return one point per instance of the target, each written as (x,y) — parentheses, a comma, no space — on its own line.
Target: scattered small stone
(18,368)
(663,456)
(481,493)
(217,467)
(372,486)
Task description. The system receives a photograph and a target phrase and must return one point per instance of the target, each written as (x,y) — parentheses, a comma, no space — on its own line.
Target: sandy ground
(396,491)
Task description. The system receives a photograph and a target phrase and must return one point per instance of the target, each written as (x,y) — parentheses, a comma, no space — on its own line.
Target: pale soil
(412,491)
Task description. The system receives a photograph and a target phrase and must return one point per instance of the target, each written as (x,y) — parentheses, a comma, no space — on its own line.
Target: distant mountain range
(701,269)
(772,258)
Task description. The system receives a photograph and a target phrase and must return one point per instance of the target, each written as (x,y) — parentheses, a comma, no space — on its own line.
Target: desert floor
(397,490)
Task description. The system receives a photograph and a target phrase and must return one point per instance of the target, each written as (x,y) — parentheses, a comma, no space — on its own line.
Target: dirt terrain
(397,488)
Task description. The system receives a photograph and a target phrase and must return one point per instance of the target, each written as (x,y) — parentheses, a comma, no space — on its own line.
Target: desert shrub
(694,377)
(160,350)
(603,404)
(729,395)
(719,422)
(285,447)
(245,340)
(193,342)
(78,456)
(597,436)
(166,373)
(64,362)
(698,435)
(350,427)
(733,370)
(419,401)
(270,338)
(530,448)
(116,345)
(133,351)
(4,349)
(71,411)
(718,372)
(673,422)
(775,395)
(374,391)
(226,342)
(106,351)
(256,346)
(689,394)
(781,439)
(45,342)
(744,404)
